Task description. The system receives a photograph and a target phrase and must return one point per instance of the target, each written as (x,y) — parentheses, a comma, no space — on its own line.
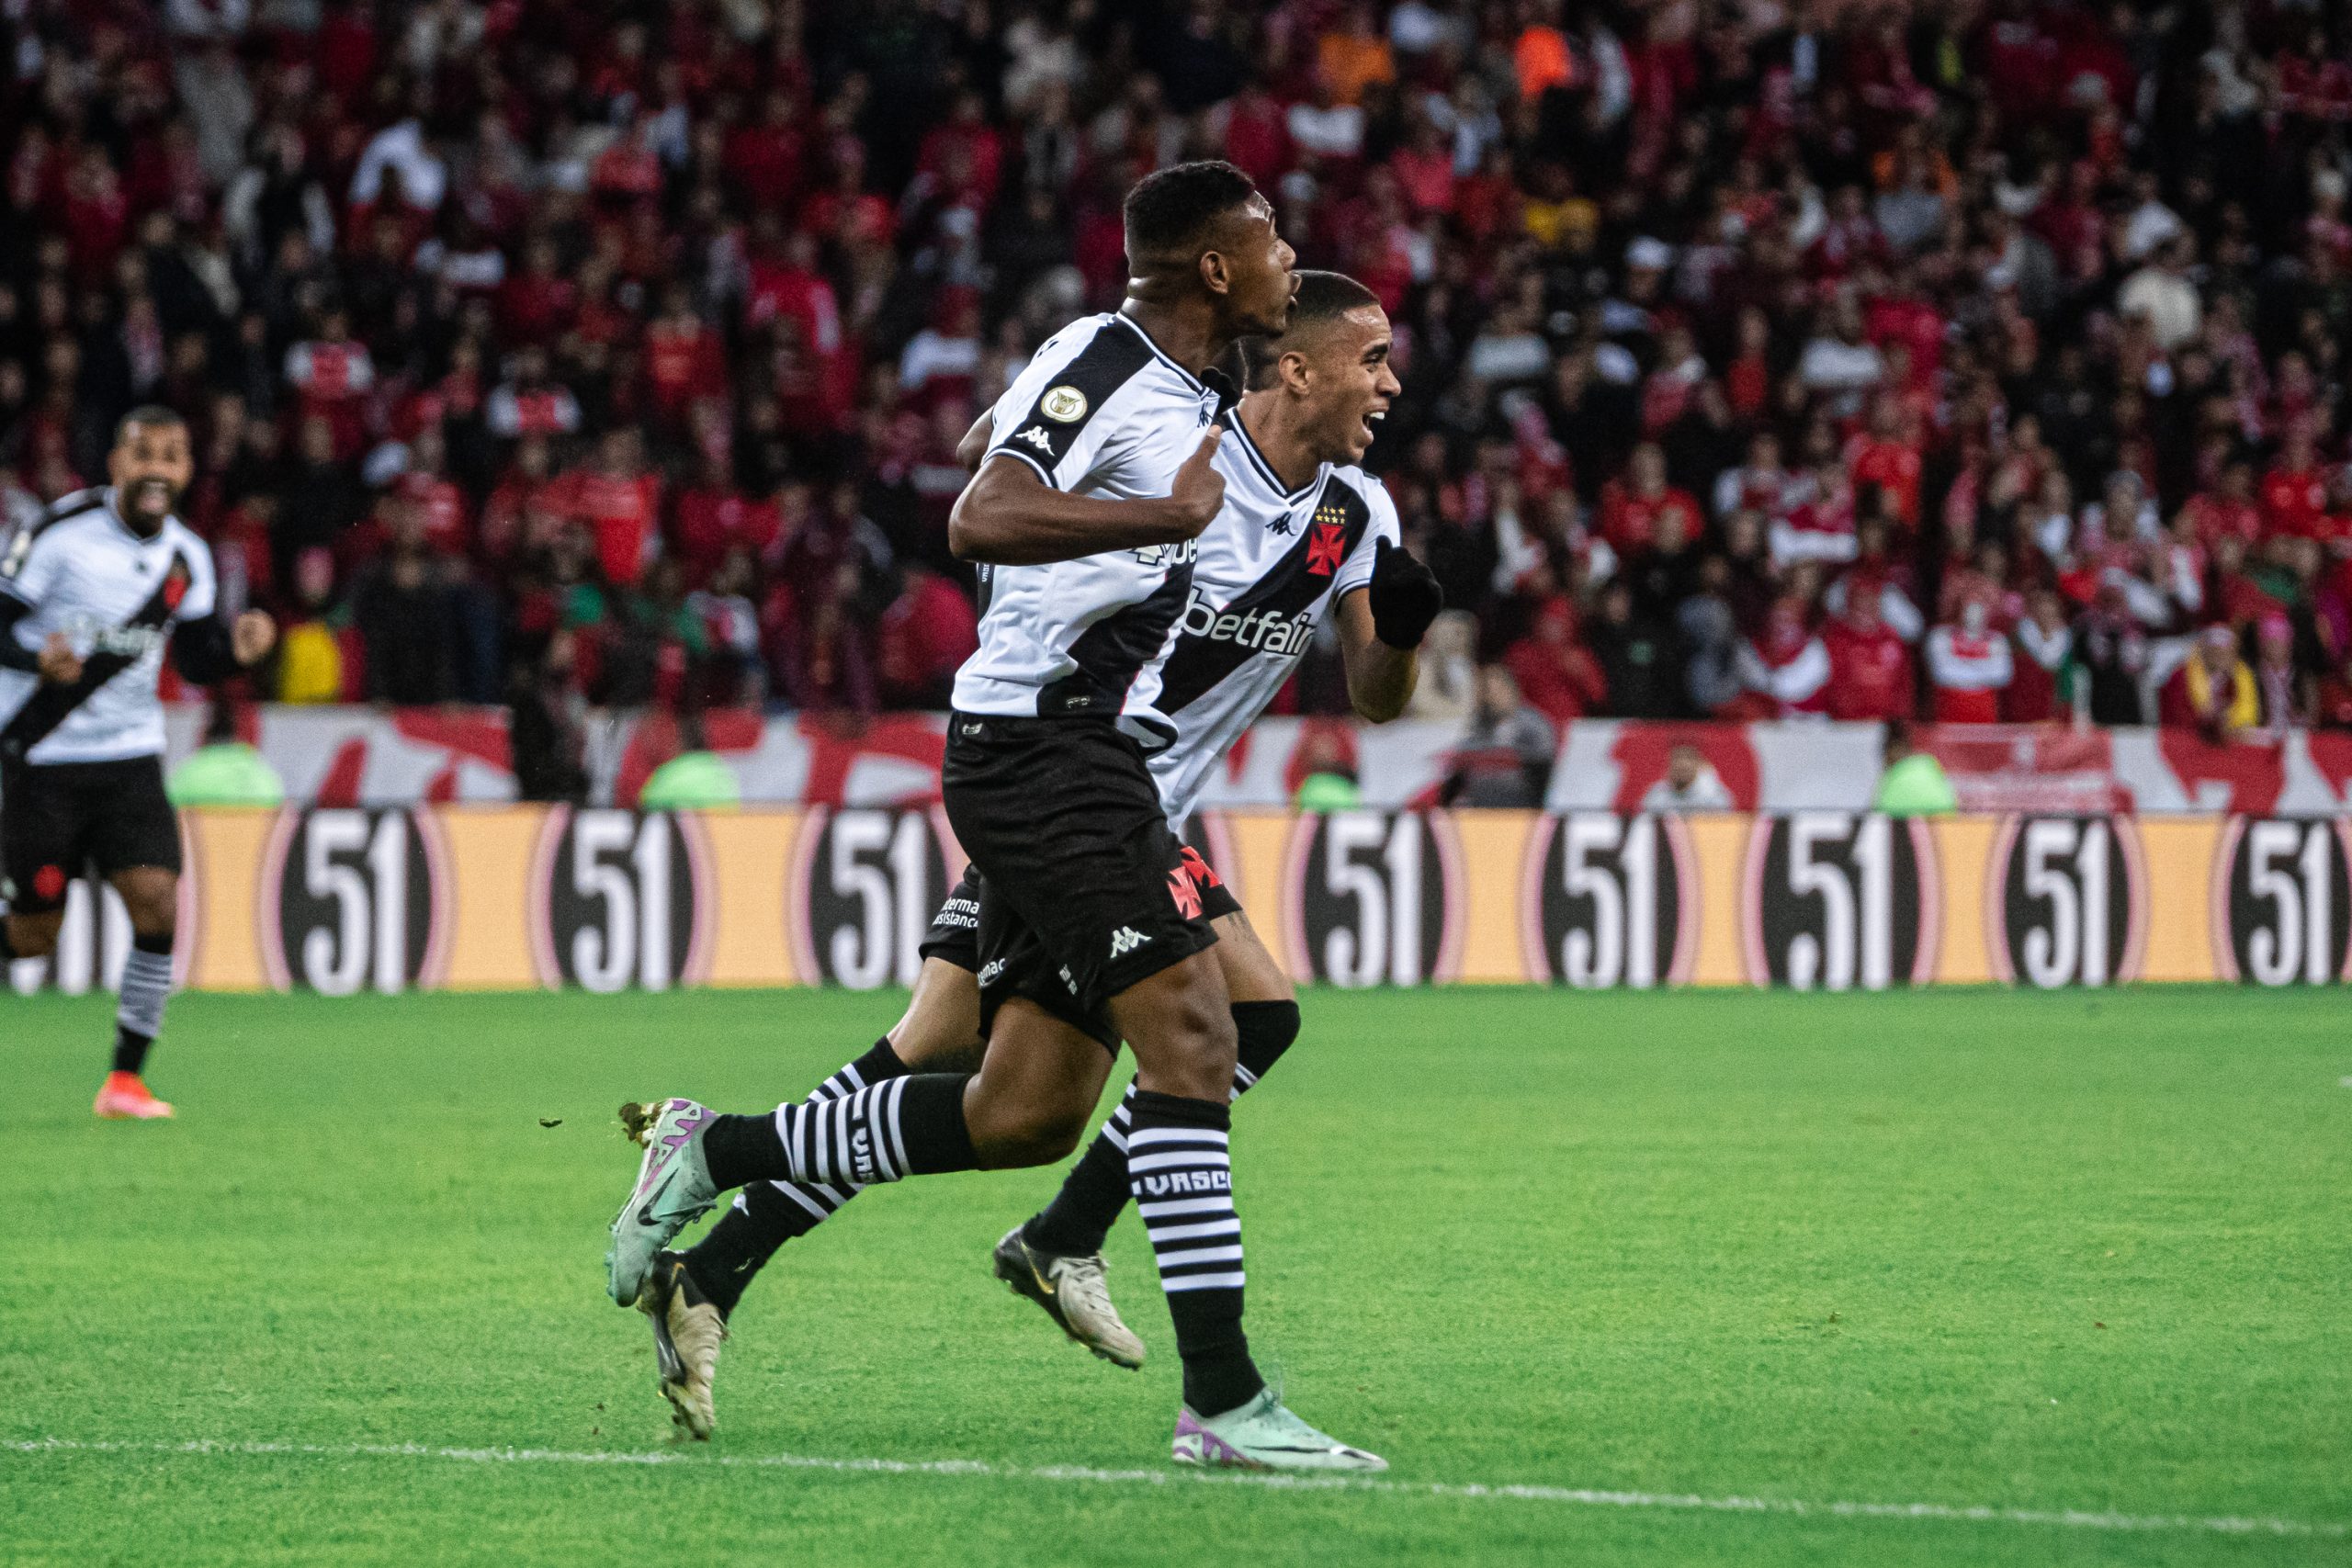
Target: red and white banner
(357,756)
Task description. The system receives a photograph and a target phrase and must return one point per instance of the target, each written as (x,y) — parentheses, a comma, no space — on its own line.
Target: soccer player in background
(1088,507)
(1304,534)
(90,593)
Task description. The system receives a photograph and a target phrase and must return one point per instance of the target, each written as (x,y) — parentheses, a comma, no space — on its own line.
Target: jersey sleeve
(1054,417)
(30,563)
(1356,570)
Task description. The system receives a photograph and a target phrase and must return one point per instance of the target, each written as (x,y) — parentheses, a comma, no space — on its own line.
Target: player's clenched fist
(1199,491)
(251,637)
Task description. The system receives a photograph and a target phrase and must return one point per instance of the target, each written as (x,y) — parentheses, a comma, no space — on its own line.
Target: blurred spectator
(1786,667)
(1327,768)
(1505,757)
(2213,691)
(1691,784)
(1911,782)
(1970,665)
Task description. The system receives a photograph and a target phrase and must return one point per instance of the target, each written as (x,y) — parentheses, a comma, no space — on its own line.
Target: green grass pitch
(1965,1248)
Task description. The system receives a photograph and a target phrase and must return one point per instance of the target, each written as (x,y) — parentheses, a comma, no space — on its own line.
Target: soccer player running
(1303,530)
(1090,928)
(90,592)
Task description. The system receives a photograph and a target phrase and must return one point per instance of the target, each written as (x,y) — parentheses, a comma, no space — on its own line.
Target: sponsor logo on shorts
(961,914)
(990,970)
(1187,1181)
(1125,940)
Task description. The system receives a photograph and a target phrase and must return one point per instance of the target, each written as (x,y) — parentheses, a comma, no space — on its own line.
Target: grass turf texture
(1955,1247)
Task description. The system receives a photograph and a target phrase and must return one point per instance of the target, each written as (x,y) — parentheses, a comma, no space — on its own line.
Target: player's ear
(1294,372)
(1215,275)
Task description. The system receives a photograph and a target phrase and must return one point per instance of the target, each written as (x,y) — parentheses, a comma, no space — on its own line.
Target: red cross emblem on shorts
(1187,896)
(1324,549)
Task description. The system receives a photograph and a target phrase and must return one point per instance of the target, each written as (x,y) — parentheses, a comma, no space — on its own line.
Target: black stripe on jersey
(20,543)
(1200,661)
(1096,373)
(1111,652)
(49,705)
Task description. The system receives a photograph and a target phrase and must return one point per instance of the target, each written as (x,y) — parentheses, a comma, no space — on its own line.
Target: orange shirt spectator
(1541,61)
(1354,57)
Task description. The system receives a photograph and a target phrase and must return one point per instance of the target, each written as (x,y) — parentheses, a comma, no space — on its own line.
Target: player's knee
(35,936)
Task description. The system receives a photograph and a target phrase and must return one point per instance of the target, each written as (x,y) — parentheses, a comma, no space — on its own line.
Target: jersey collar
(115,517)
(1265,470)
(1192,381)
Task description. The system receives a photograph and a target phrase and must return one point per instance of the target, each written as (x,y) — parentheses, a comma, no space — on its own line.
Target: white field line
(2068,1519)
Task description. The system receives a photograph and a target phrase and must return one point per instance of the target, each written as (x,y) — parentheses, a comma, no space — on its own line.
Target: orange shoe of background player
(126,1099)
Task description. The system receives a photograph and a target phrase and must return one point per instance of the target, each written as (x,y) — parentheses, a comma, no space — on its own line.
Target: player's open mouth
(1370,420)
(150,495)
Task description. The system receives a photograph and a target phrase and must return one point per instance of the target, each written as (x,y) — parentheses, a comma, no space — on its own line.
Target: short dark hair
(1322,298)
(1173,210)
(146,416)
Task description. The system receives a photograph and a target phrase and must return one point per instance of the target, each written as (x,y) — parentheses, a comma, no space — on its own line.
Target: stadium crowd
(1958,360)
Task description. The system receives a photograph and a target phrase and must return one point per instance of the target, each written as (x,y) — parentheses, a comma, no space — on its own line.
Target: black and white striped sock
(901,1127)
(1088,1204)
(1181,1175)
(138,1010)
(766,1214)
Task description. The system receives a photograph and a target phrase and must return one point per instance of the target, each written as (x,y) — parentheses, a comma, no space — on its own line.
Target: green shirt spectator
(691,781)
(1327,792)
(227,772)
(1915,785)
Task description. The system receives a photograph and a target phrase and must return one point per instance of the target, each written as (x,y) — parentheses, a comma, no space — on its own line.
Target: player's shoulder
(1350,486)
(186,539)
(1096,358)
(75,510)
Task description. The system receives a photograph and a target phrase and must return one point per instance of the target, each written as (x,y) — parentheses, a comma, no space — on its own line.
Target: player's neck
(1186,329)
(1283,445)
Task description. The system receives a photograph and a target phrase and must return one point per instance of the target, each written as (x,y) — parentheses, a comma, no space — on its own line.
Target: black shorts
(954,933)
(57,818)
(1083,889)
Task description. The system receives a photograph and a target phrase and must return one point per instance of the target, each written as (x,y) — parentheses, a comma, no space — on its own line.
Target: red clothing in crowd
(620,513)
(924,639)
(1869,670)
(713,521)
(2293,502)
(1628,521)
(1969,671)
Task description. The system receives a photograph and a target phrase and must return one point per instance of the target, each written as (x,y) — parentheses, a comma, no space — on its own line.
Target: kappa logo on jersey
(1064,405)
(1126,938)
(1326,548)
(1187,1181)
(1265,630)
(1036,435)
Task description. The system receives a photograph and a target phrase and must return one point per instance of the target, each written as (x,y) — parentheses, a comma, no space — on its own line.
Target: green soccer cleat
(674,1189)
(1264,1435)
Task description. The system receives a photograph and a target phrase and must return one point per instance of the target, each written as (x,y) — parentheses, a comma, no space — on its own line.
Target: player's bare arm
(1008,516)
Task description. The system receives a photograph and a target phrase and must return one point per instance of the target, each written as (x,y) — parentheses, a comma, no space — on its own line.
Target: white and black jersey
(1099,411)
(80,571)
(1270,568)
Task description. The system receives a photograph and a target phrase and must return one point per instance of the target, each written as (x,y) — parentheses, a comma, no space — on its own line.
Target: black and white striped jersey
(1099,411)
(115,596)
(1270,568)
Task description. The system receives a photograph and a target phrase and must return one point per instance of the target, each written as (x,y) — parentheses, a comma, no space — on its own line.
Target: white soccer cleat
(1072,1290)
(1264,1435)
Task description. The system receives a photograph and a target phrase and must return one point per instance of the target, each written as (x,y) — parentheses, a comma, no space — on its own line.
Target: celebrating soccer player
(1301,530)
(89,595)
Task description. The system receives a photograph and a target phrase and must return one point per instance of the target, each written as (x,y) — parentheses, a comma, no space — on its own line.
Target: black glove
(1405,596)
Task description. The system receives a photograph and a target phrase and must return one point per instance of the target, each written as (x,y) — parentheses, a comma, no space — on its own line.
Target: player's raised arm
(1381,627)
(1008,516)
